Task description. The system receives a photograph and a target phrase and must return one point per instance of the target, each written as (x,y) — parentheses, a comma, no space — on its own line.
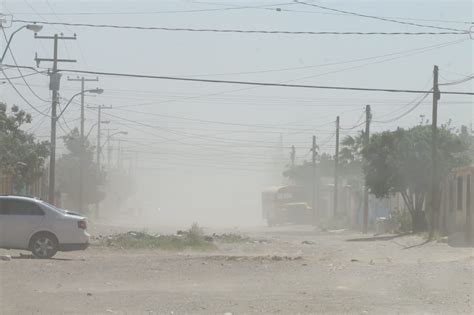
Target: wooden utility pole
(81,157)
(368,117)
(54,83)
(313,181)
(336,169)
(434,155)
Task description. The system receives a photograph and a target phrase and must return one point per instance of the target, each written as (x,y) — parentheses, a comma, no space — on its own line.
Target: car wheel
(44,246)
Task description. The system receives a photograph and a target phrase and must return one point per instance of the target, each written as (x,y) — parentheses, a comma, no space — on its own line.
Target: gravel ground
(298,271)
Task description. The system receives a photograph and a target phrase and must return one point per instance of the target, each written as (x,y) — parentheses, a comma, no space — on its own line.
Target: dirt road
(298,271)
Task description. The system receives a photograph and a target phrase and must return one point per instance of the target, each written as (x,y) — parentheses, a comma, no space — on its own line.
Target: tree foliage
(21,155)
(69,169)
(400,162)
(302,174)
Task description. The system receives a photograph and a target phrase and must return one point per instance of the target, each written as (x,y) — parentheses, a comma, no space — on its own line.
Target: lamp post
(110,136)
(36,28)
(107,142)
(93,91)
(93,126)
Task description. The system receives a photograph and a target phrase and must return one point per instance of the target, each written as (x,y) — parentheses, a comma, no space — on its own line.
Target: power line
(379,61)
(409,103)
(421,49)
(64,120)
(388,17)
(21,95)
(354,127)
(326,141)
(326,87)
(209,30)
(24,75)
(223,122)
(19,71)
(160,12)
(206,147)
(460,81)
(23,67)
(38,14)
(381,18)
(33,129)
(404,114)
(203,146)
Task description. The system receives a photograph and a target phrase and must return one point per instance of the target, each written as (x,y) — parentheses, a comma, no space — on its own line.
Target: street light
(92,127)
(110,136)
(32,27)
(93,91)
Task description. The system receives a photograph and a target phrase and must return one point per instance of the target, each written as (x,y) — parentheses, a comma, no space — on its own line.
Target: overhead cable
(210,30)
(21,95)
(380,18)
(326,87)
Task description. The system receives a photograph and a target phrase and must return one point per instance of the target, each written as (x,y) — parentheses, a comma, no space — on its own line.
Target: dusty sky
(223,143)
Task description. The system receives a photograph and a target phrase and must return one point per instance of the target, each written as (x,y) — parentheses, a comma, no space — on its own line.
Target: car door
(23,217)
(3,224)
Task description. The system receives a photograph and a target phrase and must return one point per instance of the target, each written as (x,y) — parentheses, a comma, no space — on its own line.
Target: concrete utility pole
(434,155)
(54,83)
(368,117)
(98,149)
(313,192)
(81,157)
(336,169)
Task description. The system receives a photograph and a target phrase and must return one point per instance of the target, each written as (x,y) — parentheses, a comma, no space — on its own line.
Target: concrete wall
(457,211)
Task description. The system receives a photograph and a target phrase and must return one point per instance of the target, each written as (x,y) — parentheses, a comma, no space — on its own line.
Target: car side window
(20,207)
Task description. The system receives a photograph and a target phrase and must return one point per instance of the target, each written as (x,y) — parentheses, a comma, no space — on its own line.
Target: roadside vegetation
(231,238)
(194,238)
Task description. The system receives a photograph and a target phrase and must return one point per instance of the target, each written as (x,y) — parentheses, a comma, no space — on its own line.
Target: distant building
(456,210)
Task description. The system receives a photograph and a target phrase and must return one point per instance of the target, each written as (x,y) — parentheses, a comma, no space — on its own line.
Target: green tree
(350,159)
(400,162)
(21,155)
(303,174)
(68,172)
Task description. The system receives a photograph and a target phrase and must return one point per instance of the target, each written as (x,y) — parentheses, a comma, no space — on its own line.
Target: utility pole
(54,83)
(434,155)
(99,149)
(313,186)
(119,154)
(293,156)
(81,157)
(336,169)
(368,117)
(109,149)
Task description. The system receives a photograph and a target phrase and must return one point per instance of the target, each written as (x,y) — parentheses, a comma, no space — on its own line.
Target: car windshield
(44,203)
